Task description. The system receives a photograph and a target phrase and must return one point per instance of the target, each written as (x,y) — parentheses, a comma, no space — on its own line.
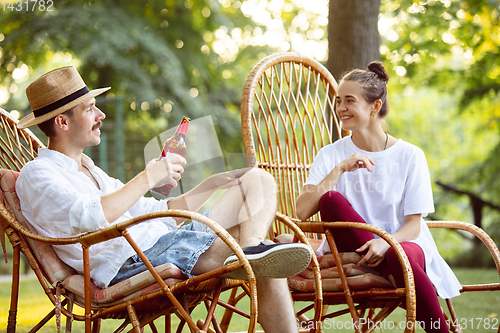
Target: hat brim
(31,120)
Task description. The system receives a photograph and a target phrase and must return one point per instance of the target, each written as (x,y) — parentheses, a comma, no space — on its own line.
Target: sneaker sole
(277,263)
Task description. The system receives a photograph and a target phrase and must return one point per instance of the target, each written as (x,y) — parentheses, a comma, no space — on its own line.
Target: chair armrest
(120,229)
(318,300)
(321,227)
(474,230)
(8,220)
(117,229)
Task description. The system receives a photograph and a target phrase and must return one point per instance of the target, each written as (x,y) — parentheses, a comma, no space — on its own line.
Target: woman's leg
(429,312)
(333,206)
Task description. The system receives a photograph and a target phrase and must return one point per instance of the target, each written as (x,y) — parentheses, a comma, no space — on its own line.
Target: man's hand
(377,249)
(225,180)
(165,171)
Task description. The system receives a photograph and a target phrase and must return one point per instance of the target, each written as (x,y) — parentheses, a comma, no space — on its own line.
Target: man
(63,194)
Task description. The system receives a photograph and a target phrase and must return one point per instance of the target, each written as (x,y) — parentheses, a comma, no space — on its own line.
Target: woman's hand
(355,162)
(307,203)
(377,249)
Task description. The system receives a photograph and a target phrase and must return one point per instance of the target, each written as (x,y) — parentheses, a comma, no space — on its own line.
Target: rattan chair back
(18,146)
(287,115)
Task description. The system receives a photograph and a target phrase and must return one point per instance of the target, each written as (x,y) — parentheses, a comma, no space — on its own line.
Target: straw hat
(55,92)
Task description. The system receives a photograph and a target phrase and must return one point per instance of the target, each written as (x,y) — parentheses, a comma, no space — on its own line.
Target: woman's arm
(308,201)
(377,248)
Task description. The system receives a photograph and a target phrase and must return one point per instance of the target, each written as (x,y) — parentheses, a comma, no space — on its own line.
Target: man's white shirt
(59,201)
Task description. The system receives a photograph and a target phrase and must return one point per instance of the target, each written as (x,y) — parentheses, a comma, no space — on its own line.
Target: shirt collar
(64,161)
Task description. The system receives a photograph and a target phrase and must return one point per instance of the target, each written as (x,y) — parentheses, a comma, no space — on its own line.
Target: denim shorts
(181,247)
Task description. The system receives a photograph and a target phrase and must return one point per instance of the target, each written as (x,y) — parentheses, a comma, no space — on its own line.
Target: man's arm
(196,197)
(156,173)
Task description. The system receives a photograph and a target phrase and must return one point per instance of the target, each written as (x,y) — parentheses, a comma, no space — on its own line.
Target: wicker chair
(287,115)
(158,292)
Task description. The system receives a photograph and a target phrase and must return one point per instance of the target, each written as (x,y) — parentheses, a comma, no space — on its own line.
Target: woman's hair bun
(377,68)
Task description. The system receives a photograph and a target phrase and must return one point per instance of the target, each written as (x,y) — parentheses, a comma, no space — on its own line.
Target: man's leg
(247,212)
(276,313)
(251,206)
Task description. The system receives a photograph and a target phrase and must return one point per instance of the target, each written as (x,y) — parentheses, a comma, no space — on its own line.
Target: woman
(373,178)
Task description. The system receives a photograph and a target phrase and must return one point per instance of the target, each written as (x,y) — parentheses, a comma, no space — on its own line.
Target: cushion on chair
(333,272)
(359,282)
(358,277)
(55,268)
(328,261)
(131,288)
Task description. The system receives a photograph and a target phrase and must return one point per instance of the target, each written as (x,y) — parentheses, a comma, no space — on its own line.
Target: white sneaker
(273,261)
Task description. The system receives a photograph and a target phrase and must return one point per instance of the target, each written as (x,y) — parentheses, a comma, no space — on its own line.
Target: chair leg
(44,321)
(343,279)
(200,323)
(168,323)
(87,295)
(228,314)
(96,326)
(211,309)
(133,318)
(69,319)
(14,295)
(153,328)
(454,324)
(181,324)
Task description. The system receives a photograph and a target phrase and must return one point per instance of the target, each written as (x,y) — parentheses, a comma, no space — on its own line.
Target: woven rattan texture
(288,103)
(16,146)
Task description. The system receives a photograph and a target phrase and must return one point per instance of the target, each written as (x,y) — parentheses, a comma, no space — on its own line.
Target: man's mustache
(97,125)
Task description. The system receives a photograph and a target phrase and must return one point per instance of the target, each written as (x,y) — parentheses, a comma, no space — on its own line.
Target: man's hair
(48,126)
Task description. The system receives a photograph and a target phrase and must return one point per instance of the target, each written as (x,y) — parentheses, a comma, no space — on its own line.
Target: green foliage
(450,47)
(447,44)
(157,54)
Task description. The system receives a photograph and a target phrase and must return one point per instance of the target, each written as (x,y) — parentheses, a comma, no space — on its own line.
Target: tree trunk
(353,35)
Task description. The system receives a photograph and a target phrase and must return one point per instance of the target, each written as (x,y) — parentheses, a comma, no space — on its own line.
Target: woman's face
(352,108)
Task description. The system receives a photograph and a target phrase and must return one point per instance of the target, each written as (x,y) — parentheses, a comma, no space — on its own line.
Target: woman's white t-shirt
(398,185)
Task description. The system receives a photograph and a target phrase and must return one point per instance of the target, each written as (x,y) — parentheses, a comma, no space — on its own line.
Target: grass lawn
(480,309)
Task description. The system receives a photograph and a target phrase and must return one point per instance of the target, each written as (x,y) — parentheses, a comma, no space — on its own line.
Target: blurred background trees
(165,59)
(157,55)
